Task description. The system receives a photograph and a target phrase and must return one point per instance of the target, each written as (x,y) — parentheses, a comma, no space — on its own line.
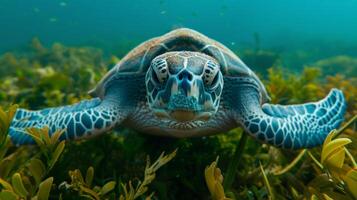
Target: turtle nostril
(189,77)
(185,75)
(180,76)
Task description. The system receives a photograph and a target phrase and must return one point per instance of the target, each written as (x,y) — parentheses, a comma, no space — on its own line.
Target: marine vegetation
(23,175)
(115,165)
(342,63)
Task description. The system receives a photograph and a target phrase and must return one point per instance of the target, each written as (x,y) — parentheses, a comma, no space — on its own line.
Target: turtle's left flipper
(294,126)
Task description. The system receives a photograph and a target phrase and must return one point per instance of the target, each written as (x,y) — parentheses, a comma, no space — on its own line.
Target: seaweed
(344,64)
(26,176)
(49,76)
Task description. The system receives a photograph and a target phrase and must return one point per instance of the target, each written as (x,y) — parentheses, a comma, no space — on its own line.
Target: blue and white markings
(298,126)
(80,120)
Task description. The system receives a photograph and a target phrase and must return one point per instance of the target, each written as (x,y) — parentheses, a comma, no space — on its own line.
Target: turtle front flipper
(86,118)
(293,126)
(83,119)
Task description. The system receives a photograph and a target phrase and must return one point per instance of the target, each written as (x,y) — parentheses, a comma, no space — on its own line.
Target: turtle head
(184,86)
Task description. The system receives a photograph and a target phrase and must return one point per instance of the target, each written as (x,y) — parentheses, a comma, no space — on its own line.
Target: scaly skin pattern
(290,127)
(83,119)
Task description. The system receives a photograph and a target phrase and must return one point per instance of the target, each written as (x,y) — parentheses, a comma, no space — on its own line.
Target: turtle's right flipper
(83,119)
(86,118)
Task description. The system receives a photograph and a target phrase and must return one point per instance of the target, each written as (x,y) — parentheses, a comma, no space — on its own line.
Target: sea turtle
(184,84)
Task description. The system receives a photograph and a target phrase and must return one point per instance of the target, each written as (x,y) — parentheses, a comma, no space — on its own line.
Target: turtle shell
(138,60)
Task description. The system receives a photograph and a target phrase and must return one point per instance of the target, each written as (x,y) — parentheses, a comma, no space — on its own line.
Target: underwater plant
(22,175)
(337,64)
(28,78)
(292,88)
(25,176)
(214,181)
(336,178)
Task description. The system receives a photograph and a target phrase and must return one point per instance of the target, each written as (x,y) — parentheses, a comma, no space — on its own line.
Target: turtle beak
(182,115)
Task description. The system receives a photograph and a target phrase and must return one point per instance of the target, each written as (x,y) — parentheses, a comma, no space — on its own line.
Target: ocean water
(112,24)
(299,49)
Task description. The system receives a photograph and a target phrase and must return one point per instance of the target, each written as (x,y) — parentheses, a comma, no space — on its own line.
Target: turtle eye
(210,73)
(160,69)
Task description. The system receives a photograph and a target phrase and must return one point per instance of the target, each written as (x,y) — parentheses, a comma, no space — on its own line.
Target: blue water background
(121,24)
